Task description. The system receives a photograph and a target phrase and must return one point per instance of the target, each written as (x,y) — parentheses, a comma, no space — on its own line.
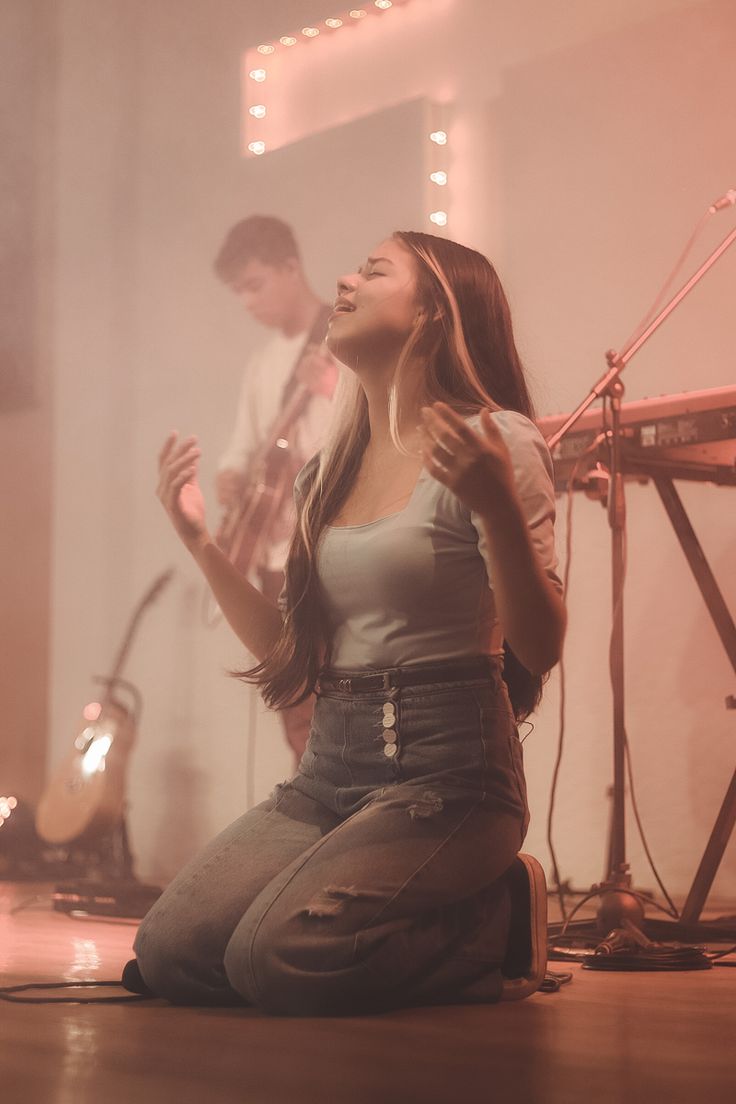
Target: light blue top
(415,587)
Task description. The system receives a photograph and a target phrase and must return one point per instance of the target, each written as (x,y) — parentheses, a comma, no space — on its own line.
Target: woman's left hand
(476,466)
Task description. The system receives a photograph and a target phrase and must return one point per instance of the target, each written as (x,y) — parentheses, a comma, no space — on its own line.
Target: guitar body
(86,796)
(244,532)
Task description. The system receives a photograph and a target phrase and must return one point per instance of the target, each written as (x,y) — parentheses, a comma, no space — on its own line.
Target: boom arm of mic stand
(618,361)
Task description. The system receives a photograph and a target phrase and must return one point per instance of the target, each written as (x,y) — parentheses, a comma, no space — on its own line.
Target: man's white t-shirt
(266,374)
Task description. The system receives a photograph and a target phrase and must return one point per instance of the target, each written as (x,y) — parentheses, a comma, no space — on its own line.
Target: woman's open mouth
(342,307)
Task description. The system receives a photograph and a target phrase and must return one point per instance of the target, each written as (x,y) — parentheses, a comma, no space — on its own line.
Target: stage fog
(584,141)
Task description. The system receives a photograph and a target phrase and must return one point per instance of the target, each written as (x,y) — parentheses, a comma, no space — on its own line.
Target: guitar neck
(149,597)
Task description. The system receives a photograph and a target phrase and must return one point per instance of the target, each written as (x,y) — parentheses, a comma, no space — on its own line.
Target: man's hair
(259,237)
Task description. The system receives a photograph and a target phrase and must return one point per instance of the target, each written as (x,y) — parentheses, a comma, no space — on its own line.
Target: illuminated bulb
(257,147)
(257,111)
(282,443)
(384,5)
(265,49)
(333,24)
(94,759)
(287,40)
(439,218)
(310,32)
(257,75)
(439,136)
(357,13)
(436,177)
(91,711)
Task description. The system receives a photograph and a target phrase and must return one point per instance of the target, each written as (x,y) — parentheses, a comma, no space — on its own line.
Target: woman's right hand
(179,490)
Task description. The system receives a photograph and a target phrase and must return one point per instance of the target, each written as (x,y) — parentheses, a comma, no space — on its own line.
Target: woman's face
(376,307)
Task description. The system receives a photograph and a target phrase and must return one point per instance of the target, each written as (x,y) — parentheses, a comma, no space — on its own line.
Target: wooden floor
(607,1038)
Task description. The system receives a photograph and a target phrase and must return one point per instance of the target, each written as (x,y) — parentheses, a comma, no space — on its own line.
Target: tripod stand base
(716,931)
(124,899)
(618,904)
(706,932)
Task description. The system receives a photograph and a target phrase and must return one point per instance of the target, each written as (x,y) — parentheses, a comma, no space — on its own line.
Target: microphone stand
(618,902)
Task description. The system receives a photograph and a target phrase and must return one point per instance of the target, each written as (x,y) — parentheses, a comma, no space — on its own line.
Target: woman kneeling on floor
(422,563)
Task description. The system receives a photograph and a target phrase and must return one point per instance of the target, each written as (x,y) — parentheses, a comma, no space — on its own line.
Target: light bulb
(333,24)
(436,177)
(288,40)
(94,758)
(257,147)
(257,111)
(266,49)
(257,75)
(357,13)
(439,136)
(310,32)
(439,218)
(384,5)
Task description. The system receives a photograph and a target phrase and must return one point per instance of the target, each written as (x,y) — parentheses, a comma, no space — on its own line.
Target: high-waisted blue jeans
(373,878)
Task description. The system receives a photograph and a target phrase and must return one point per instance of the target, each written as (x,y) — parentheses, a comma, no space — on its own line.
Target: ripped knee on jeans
(428,805)
(331,900)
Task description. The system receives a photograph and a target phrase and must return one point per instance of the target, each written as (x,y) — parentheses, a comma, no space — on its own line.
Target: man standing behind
(259,260)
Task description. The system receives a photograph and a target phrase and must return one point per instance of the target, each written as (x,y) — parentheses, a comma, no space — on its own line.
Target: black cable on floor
(553,981)
(9,993)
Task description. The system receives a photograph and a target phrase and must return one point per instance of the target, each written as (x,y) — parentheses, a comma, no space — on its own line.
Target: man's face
(267,291)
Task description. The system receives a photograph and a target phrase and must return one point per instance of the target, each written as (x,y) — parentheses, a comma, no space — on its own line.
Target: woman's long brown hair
(464,337)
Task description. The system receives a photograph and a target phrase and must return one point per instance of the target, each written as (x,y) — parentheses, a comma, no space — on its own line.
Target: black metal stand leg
(712,856)
(699,566)
(724,625)
(689,927)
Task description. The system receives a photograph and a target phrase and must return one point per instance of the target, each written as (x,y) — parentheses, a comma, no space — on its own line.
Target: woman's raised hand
(179,490)
(476,466)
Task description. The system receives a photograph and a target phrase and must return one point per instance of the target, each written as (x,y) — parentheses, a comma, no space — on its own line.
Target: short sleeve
(533,474)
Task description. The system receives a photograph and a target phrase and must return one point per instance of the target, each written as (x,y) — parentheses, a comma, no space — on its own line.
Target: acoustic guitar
(86,796)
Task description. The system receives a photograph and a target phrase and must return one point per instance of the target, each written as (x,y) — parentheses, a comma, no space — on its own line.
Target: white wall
(554,104)
(610,152)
